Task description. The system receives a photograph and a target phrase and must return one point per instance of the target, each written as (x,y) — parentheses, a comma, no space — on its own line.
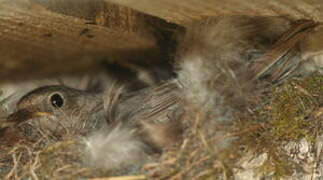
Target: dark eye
(57,100)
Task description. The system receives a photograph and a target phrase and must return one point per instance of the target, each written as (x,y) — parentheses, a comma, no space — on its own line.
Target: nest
(268,142)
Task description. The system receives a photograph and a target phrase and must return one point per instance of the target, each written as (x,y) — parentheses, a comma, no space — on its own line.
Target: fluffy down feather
(213,61)
(115,147)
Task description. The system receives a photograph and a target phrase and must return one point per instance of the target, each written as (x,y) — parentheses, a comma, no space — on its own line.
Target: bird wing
(161,101)
(279,62)
(152,104)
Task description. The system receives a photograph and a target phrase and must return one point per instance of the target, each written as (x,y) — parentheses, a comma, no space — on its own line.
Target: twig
(185,171)
(252,128)
(15,166)
(34,166)
(139,177)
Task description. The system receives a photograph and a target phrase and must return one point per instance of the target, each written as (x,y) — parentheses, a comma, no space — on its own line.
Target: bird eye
(57,100)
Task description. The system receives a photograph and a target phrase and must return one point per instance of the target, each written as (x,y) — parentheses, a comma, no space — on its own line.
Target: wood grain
(36,42)
(184,12)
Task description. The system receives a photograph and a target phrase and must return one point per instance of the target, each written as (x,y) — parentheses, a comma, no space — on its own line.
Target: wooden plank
(34,41)
(98,11)
(184,12)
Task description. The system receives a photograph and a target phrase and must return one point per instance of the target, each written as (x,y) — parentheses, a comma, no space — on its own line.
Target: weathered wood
(98,11)
(34,41)
(185,11)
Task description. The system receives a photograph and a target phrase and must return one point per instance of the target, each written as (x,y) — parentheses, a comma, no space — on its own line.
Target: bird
(64,108)
(124,127)
(222,64)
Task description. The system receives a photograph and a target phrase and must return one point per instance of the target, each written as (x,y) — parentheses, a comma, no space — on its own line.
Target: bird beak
(20,116)
(41,114)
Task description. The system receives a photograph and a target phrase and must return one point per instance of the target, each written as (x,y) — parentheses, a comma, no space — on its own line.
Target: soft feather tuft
(213,61)
(115,147)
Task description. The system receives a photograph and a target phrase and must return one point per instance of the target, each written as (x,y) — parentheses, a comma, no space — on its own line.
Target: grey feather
(213,60)
(115,148)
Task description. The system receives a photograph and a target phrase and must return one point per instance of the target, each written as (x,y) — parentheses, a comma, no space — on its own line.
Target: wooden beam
(34,41)
(183,12)
(98,11)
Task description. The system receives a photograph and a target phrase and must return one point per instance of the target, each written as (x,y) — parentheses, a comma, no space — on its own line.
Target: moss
(283,115)
(291,107)
(286,117)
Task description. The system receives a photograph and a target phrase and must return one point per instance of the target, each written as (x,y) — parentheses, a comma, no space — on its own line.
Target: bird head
(58,108)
